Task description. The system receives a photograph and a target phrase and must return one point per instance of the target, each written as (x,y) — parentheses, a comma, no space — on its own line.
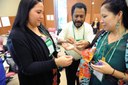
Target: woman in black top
(32,47)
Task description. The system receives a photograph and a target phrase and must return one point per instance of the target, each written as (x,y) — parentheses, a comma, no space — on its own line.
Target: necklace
(115,47)
(42,35)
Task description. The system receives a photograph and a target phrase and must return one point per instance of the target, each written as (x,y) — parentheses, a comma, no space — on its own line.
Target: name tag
(49,44)
(98,75)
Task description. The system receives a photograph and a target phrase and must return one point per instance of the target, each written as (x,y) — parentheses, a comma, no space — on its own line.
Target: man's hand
(68,46)
(70,40)
(82,44)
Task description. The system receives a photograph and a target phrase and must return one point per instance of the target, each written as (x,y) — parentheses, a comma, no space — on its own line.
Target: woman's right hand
(64,60)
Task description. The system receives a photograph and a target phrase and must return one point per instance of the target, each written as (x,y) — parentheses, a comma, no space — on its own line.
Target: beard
(78,24)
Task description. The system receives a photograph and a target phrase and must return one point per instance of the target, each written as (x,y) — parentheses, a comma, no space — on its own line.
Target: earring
(117,25)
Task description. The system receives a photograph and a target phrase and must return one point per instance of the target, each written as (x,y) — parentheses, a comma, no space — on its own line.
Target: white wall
(8,7)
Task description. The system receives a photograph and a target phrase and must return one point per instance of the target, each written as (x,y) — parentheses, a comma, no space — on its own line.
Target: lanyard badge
(49,44)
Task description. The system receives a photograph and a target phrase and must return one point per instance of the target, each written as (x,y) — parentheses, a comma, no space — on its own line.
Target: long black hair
(25,6)
(115,6)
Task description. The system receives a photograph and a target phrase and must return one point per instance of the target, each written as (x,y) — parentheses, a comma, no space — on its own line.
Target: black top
(30,53)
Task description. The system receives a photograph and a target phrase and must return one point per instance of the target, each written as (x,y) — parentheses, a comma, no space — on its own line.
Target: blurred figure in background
(96,26)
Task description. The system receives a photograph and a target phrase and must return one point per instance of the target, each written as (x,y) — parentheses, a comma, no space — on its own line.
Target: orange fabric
(87,55)
(84,71)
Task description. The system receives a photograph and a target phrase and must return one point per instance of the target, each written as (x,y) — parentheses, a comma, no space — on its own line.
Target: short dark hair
(115,6)
(78,5)
(23,11)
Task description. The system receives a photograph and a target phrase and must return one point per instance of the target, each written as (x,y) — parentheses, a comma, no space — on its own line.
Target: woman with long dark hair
(32,47)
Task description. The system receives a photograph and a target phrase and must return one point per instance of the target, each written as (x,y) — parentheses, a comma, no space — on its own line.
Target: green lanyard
(113,49)
(116,47)
(75,35)
(50,46)
(48,42)
(102,43)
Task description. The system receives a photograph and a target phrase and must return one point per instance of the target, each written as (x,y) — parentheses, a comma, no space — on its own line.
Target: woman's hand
(103,67)
(64,60)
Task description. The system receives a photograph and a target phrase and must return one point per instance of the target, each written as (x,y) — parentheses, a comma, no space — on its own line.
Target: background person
(96,26)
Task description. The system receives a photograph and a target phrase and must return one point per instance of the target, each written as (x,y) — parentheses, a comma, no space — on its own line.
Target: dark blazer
(31,55)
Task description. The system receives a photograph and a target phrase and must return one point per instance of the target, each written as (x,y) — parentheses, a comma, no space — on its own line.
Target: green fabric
(117,61)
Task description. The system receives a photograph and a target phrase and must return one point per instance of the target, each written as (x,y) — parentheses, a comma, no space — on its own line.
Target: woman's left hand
(103,67)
